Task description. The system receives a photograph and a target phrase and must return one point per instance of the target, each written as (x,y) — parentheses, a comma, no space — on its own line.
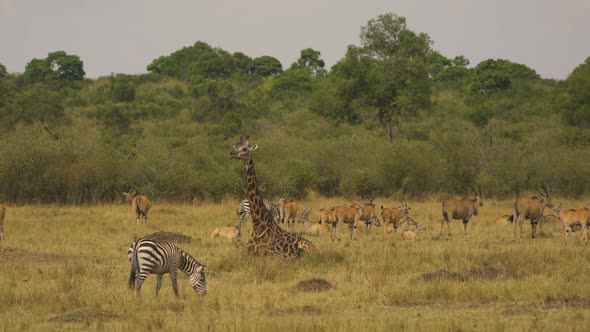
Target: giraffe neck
(257,208)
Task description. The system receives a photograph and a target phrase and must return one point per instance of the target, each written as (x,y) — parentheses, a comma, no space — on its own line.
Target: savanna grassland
(66,268)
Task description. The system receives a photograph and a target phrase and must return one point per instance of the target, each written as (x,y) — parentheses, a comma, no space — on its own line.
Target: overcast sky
(124,36)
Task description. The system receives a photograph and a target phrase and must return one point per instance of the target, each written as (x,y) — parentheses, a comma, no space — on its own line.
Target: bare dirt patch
(14,256)
(306,310)
(314,285)
(85,315)
(484,272)
(569,301)
(169,236)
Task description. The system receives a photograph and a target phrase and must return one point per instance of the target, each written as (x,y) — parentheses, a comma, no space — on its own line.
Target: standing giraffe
(267,237)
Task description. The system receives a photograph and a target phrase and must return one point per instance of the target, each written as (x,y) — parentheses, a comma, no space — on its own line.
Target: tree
(3,72)
(491,75)
(449,70)
(243,63)
(36,103)
(266,66)
(340,95)
(57,67)
(122,88)
(311,62)
(400,75)
(576,104)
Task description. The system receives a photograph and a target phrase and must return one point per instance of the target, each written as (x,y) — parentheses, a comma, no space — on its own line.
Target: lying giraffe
(267,237)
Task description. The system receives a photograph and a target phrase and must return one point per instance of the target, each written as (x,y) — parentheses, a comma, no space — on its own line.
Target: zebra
(244,210)
(159,257)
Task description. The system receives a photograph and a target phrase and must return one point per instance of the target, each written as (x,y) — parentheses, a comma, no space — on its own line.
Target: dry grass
(65,268)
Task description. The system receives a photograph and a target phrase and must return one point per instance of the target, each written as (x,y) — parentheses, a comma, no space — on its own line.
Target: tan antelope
(327,216)
(461,209)
(393,216)
(140,205)
(230,232)
(572,218)
(531,208)
(2,215)
(369,216)
(346,215)
(288,211)
(504,220)
(310,227)
(415,234)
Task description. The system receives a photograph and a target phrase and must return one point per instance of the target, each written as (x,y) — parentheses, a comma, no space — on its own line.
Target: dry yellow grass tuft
(65,267)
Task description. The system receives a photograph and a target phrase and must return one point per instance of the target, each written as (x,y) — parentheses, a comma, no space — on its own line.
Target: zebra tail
(134,267)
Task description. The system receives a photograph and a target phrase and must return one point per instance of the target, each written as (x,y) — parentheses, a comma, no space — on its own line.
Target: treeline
(393,118)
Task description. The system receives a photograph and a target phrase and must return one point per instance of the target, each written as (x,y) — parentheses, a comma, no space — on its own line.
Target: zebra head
(242,149)
(197,280)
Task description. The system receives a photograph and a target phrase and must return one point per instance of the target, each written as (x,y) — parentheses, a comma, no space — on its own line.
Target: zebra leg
(158,283)
(173,278)
(139,282)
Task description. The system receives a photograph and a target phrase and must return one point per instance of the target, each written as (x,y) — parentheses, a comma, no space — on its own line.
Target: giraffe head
(242,149)
(306,246)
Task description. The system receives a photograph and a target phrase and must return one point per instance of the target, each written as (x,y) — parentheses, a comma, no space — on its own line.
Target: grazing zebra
(160,257)
(244,210)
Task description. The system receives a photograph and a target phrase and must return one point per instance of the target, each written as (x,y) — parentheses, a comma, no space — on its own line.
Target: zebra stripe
(271,207)
(160,257)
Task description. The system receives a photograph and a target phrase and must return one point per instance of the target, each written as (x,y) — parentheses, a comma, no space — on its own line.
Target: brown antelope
(531,208)
(230,232)
(369,216)
(327,216)
(140,205)
(288,211)
(572,218)
(393,216)
(348,215)
(462,209)
(2,215)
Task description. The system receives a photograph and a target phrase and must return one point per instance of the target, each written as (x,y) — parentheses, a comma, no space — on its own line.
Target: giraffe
(267,237)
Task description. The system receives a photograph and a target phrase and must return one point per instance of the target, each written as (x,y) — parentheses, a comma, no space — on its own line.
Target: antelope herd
(362,216)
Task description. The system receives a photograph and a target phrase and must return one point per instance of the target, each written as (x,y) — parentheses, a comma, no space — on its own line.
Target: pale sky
(124,36)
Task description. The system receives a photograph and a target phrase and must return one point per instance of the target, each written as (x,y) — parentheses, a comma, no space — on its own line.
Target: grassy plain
(65,268)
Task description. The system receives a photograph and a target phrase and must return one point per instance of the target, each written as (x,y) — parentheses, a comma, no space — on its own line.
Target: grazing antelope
(289,212)
(531,208)
(393,216)
(572,218)
(230,232)
(462,209)
(2,215)
(348,215)
(161,257)
(140,204)
(504,220)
